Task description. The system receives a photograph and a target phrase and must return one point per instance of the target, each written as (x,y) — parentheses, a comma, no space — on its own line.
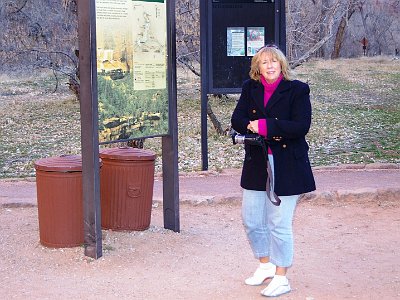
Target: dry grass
(356,118)
(356,110)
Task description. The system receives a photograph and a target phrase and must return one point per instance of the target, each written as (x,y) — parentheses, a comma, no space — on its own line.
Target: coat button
(284,145)
(254,111)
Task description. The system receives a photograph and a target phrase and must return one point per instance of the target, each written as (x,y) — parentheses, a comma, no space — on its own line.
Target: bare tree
(325,26)
(309,30)
(34,37)
(381,24)
(188,35)
(188,46)
(378,21)
(349,9)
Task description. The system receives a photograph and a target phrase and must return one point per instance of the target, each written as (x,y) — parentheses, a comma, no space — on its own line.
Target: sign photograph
(131,69)
(255,40)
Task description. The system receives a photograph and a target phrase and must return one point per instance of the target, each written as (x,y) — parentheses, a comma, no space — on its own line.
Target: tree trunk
(339,38)
(364,21)
(323,27)
(337,46)
(214,119)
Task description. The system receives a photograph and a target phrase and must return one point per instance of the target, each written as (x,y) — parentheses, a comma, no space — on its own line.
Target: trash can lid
(63,163)
(127,153)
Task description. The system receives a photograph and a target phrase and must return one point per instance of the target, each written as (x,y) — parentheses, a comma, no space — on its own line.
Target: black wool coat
(288,115)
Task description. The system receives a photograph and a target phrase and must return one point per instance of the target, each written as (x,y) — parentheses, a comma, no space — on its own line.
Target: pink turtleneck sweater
(269,89)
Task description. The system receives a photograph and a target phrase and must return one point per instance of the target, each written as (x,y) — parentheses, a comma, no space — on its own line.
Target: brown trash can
(60,204)
(126,188)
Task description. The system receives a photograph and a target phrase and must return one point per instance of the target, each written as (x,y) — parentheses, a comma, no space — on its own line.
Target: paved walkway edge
(381,197)
(211,187)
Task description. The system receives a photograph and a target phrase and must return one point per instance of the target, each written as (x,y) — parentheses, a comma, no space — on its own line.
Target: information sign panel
(132,69)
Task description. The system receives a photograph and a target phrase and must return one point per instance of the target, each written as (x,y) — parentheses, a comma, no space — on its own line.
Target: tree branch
(187,65)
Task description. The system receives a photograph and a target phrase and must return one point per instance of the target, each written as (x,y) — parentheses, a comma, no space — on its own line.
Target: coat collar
(258,94)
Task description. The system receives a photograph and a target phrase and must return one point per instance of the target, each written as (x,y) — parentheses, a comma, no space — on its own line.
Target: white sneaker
(279,285)
(262,273)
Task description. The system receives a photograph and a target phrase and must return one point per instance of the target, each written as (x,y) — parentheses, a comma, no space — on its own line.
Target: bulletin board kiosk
(234,31)
(231,32)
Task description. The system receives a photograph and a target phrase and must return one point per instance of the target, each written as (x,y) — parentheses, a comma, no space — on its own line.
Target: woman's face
(269,67)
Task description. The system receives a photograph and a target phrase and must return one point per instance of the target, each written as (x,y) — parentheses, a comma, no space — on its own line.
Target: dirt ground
(342,251)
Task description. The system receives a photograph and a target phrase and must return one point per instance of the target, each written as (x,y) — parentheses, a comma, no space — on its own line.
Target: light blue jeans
(269,227)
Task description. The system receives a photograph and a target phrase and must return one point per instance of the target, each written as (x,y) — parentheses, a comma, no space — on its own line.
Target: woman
(277,108)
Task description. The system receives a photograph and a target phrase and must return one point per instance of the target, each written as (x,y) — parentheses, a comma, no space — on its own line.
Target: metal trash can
(60,204)
(126,188)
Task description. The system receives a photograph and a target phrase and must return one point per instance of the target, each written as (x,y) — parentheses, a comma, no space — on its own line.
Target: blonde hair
(276,53)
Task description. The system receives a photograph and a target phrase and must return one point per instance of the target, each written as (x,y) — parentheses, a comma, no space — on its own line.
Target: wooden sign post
(89,128)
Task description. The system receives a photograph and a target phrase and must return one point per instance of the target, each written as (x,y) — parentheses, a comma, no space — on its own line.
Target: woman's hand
(253,126)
